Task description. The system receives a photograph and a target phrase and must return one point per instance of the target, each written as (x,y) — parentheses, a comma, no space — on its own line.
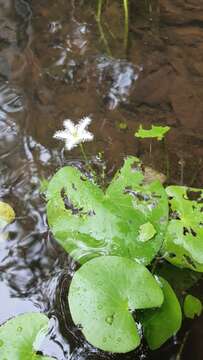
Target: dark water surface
(54,65)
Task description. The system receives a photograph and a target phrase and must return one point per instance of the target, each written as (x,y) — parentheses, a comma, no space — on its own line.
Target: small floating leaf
(103,294)
(17,337)
(155,132)
(160,324)
(192,306)
(147,232)
(185,230)
(122,126)
(7,214)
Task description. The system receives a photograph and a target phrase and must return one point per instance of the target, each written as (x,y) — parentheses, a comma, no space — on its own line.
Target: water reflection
(53,66)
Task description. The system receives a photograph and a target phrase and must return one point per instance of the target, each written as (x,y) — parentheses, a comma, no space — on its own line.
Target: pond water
(54,64)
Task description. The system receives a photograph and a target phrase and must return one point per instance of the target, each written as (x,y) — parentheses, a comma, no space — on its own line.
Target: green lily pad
(17,337)
(7,214)
(155,132)
(160,324)
(192,306)
(88,222)
(183,244)
(103,294)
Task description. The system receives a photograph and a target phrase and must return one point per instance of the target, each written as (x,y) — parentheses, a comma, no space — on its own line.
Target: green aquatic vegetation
(114,233)
(20,335)
(192,306)
(89,222)
(160,324)
(103,294)
(183,245)
(157,132)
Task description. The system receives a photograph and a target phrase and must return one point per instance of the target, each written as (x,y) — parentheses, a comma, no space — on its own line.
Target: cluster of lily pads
(118,236)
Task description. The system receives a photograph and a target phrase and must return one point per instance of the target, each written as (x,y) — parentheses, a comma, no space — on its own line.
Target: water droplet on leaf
(109,319)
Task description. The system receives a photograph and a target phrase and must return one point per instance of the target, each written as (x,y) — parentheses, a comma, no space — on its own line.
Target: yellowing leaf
(7,214)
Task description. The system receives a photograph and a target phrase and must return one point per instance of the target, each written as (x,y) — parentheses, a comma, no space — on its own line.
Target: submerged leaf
(88,222)
(155,132)
(18,335)
(183,245)
(103,294)
(160,324)
(192,306)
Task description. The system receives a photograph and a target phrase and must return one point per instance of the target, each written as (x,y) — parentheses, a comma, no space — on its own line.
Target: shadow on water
(54,65)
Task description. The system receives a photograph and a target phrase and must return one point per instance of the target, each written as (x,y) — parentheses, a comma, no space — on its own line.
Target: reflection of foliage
(100,4)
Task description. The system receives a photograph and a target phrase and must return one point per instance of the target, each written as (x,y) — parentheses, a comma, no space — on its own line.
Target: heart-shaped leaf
(103,294)
(17,337)
(183,245)
(88,222)
(192,306)
(160,324)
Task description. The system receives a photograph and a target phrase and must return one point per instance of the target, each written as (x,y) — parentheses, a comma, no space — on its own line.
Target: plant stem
(98,19)
(126,29)
(86,159)
(179,355)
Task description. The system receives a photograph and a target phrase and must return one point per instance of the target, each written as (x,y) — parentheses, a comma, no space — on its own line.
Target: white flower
(73,134)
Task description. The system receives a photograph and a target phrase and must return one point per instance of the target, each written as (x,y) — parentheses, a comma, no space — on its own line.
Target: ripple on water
(11,112)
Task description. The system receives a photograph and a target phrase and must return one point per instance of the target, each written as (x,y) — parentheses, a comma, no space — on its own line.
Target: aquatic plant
(74,135)
(118,235)
(20,337)
(133,223)
(157,132)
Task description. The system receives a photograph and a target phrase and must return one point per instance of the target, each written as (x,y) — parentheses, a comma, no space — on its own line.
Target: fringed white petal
(69,125)
(84,122)
(73,135)
(61,135)
(87,136)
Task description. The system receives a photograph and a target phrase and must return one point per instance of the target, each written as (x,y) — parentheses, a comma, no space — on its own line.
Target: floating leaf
(183,245)
(7,214)
(160,324)
(103,294)
(192,306)
(155,132)
(18,335)
(88,222)
(147,232)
